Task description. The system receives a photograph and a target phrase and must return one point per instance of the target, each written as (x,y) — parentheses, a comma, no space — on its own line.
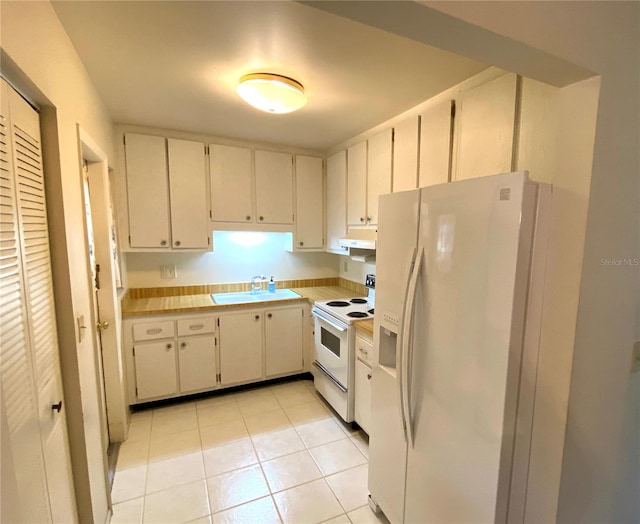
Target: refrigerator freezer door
(397,237)
(467,344)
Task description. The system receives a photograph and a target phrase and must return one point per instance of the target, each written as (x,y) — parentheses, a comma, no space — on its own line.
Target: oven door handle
(316,313)
(329,376)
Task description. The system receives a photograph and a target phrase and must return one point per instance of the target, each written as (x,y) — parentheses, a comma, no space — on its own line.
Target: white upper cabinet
(336,199)
(274,187)
(231,176)
(309,203)
(147,191)
(188,194)
(379,162)
(485,124)
(436,134)
(357,185)
(166,193)
(405,154)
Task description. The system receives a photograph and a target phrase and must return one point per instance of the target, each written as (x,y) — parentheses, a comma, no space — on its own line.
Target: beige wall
(39,60)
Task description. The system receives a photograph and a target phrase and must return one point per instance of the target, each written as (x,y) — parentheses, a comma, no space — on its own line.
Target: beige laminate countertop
(365,325)
(192,303)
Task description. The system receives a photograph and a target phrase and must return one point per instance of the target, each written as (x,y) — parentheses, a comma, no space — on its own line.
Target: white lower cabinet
(155,369)
(283,341)
(197,363)
(364,352)
(174,355)
(240,347)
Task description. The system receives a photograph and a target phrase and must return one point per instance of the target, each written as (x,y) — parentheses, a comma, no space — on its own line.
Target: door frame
(109,301)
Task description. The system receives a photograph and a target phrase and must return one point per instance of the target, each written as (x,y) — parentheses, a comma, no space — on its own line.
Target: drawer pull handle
(183,345)
(196,327)
(154,331)
(368,376)
(257,317)
(363,351)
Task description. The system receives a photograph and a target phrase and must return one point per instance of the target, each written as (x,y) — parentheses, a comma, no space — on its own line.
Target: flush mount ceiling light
(271,93)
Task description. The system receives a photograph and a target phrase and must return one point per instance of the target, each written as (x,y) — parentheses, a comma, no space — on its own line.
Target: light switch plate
(168,271)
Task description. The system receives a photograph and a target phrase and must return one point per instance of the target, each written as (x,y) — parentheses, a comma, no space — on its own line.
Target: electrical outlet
(168,271)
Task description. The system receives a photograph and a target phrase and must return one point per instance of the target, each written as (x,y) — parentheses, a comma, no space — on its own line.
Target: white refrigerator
(458,303)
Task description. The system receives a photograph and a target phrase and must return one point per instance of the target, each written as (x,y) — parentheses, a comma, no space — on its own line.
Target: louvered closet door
(19,404)
(36,260)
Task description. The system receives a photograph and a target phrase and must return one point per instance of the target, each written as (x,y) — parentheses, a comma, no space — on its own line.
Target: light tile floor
(276,454)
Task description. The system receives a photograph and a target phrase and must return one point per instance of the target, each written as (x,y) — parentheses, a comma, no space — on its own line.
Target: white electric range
(334,348)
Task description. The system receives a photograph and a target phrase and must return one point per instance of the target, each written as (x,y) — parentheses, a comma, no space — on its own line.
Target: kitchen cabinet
(166,193)
(436,142)
(283,341)
(485,128)
(357,184)
(364,358)
(369,167)
(274,187)
(232,188)
(379,165)
(309,215)
(155,369)
(406,136)
(241,347)
(197,363)
(336,200)
(170,356)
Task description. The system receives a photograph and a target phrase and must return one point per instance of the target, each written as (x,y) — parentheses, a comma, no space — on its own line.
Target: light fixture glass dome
(271,93)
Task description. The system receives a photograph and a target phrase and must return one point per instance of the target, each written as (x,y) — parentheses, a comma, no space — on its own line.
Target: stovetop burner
(357,314)
(337,303)
(358,300)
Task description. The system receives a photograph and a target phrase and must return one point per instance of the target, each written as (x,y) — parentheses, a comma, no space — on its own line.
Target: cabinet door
(362,407)
(283,341)
(405,154)
(231,185)
(485,121)
(309,203)
(336,199)
(436,133)
(188,190)
(147,191)
(274,187)
(357,185)
(240,347)
(197,363)
(155,365)
(379,159)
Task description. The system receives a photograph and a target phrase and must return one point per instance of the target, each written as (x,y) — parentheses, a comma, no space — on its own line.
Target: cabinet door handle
(369,219)
(163,242)
(169,346)
(368,376)
(363,351)
(361,219)
(261,218)
(57,407)
(183,345)
(257,317)
(248,217)
(154,331)
(301,243)
(196,327)
(269,315)
(177,242)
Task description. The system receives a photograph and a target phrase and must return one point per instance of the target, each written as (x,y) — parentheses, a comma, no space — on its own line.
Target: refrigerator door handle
(401,337)
(407,346)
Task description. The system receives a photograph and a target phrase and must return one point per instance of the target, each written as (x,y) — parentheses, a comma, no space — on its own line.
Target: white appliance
(455,338)
(334,349)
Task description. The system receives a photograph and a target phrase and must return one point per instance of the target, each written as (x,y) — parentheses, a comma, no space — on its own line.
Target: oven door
(332,348)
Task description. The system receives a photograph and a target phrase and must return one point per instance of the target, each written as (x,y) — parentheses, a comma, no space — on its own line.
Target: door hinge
(393,134)
(218,322)
(453,109)
(210,214)
(134,352)
(97,276)
(215,341)
(208,241)
(129,239)
(136,391)
(124,139)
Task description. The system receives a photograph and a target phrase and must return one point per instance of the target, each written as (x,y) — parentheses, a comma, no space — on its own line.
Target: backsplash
(171,291)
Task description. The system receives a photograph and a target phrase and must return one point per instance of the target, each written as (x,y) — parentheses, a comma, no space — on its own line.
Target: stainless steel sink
(248,297)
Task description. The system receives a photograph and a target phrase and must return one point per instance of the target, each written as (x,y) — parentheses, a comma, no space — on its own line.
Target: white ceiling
(175,65)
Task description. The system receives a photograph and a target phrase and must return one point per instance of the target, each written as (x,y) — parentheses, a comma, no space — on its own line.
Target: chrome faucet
(256,283)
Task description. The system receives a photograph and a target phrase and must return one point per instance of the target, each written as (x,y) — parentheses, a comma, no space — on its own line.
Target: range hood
(359,239)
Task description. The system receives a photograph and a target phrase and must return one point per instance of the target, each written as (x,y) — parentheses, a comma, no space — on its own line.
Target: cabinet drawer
(153,330)
(364,350)
(196,326)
